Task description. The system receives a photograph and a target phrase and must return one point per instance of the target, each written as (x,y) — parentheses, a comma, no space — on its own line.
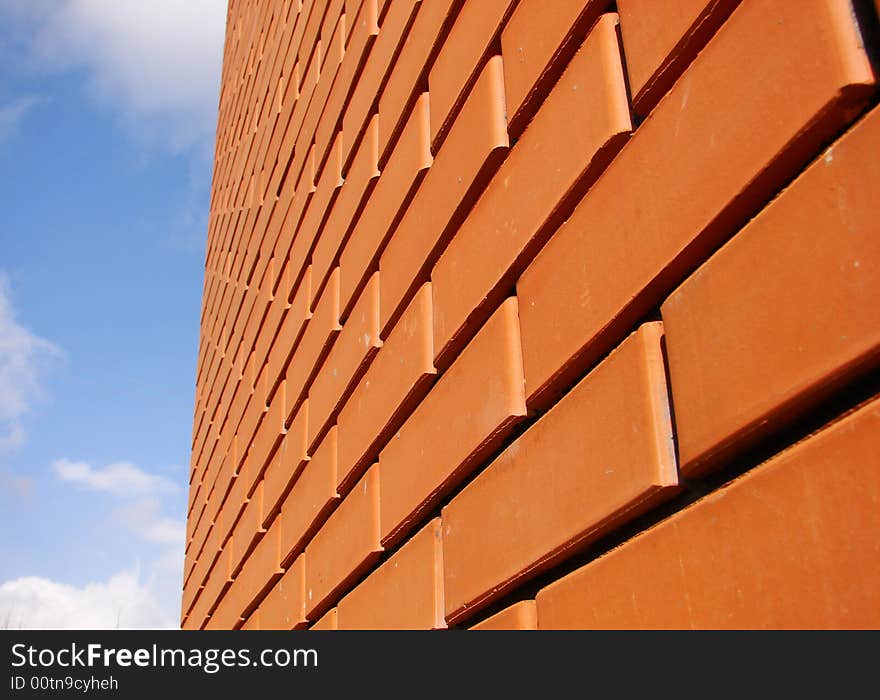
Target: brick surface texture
(534,315)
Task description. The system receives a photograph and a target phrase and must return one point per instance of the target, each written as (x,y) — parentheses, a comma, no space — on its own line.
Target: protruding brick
(582,124)
(352,352)
(395,382)
(789,307)
(469,41)
(317,340)
(248,529)
(419,49)
(292,327)
(536,43)
(287,464)
(365,96)
(661,40)
(519,616)
(601,456)
(396,186)
(312,498)
(284,607)
(440,444)
(470,155)
(405,592)
(788,545)
(359,183)
(654,214)
(345,547)
(327,622)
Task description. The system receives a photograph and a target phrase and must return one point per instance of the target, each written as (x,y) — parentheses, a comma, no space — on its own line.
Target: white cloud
(155,62)
(144,519)
(23,360)
(13,113)
(118,478)
(123,601)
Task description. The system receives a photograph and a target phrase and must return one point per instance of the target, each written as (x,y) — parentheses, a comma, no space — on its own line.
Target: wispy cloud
(156,63)
(13,112)
(118,478)
(24,359)
(144,518)
(122,601)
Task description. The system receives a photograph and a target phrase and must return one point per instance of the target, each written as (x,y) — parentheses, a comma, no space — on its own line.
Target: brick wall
(529,314)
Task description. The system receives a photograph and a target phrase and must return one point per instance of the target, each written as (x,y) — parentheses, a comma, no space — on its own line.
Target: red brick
(470,155)
(395,382)
(654,214)
(536,44)
(441,444)
(216,584)
(519,616)
(403,87)
(356,345)
(312,498)
(790,544)
(284,607)
(345,547)
(386,205)
(607,448)
(788,307)
(457,65)
(405,592)
(583,123)
(317,340)
(660,41)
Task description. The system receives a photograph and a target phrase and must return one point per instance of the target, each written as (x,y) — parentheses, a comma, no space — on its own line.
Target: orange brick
(788,307)
(345,547)
(365,95)
(608,446)
(364,30)
(259,573)
(327,622)
(661,41)
(788,545)
(392,386)
(583,123)
(292,327)
(359,183)
(471,153)
(383,210)
(519,616)
(403,87)
(321,202)
(312,498)
(316,343)
(287,464)
(284,607)
(654,214)
(356,345)
(536,44)
(440,444)
(269,434)
(248,529)
(405,592)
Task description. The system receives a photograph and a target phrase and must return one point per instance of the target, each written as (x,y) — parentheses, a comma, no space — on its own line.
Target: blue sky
(107,121)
